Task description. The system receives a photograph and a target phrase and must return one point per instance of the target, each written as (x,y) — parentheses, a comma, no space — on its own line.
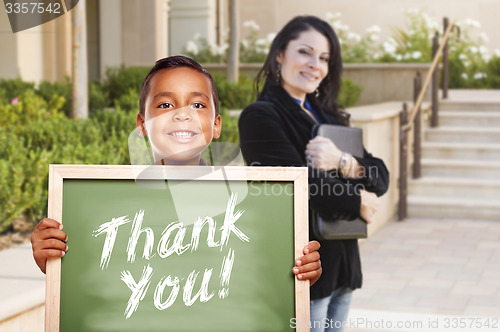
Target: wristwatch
(343,162)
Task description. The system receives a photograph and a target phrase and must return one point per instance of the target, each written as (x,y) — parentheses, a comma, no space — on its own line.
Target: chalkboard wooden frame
(58,173)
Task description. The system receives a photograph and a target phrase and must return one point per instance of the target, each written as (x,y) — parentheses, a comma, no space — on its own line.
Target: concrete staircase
(460,160)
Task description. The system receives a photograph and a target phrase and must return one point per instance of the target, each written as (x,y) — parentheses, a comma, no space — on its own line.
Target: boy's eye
(165,105)
(197,105)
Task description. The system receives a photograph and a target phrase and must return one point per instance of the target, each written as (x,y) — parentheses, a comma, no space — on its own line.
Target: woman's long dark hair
(329,86)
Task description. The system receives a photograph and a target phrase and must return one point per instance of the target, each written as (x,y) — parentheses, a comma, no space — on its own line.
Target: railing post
(403,164)
(417,128)
(435,84)
(446,65)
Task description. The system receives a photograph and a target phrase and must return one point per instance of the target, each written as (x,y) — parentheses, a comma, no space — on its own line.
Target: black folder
(349,140)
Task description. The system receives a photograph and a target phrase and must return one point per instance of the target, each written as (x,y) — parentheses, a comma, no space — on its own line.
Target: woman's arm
(264,142)
(368,171)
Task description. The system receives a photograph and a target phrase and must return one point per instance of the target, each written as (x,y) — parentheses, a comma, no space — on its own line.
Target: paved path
(424,272)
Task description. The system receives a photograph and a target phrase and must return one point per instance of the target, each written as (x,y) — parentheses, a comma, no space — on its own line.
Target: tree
(233,56)
(80,105)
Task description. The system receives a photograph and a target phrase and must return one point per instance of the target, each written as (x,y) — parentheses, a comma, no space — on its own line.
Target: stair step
(463,134)
(460,168)
(457,208)
(455,188)
(468,151)
(464,105)
(465,118)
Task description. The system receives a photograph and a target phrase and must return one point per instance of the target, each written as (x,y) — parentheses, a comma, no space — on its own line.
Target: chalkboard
(184,248)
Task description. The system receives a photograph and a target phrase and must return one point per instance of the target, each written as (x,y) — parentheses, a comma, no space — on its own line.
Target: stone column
(188,18)
(110,26)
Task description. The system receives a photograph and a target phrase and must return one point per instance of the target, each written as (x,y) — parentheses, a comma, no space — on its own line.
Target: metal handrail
(413,112)
(412,119)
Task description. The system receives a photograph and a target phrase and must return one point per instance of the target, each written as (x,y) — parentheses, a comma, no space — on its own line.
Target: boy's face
(179,116)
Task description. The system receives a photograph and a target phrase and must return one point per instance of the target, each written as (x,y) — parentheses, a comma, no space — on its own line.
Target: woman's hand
(48,240)
(369,205)
(308,267)
(323,154)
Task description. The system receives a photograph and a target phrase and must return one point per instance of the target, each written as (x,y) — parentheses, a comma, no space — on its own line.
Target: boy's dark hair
(172,62)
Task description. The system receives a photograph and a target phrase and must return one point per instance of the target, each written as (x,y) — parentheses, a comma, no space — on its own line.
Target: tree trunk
(234,47)
(80,108)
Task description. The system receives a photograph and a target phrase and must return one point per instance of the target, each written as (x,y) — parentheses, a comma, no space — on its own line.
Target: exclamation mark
(225,274)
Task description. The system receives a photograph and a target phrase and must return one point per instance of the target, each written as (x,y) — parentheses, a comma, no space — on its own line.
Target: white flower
(466,63)
(339,26)
(373,37)
(485,54)
(411,32)
(214,48)
(496,52)
(270,37)
(354,36)
(261,42)
(252,25)
(392,41)
(245,43)
(399,57)
(222,49)
(333,16)
(389,47)
(478,76)
(473,49)
(374,29)
(191,47)
(464,76)
(472,23)
(484,37)
(429,22)
(416,55)
(462,56)
(376,56)
(406,56)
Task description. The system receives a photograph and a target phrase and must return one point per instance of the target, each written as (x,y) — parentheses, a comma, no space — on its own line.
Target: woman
(302,78)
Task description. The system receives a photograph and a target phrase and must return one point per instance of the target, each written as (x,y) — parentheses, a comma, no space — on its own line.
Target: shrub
(234,95)
(32,137)
(13,88)
(118,81)
(493,72)
(62,88)
(349,93)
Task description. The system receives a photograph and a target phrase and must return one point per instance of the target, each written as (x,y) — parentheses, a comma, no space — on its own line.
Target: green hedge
(32,136)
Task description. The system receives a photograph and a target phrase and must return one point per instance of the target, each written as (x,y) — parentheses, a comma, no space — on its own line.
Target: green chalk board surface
(258,295)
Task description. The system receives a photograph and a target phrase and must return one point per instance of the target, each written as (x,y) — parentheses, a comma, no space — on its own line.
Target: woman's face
(304,63)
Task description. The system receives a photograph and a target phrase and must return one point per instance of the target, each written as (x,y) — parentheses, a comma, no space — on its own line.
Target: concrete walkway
(22,290)
(427,274)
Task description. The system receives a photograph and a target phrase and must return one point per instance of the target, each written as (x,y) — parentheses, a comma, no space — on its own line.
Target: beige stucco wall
(361,14)
(8,53)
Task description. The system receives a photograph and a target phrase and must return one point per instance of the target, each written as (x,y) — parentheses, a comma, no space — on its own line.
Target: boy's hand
(48,240)
(309,265)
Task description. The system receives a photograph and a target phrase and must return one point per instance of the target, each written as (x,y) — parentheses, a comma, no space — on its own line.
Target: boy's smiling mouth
(182,136)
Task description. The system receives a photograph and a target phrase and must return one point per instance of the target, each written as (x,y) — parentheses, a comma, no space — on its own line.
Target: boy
(179,113)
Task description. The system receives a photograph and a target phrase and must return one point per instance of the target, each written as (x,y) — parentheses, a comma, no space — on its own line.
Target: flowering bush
(252,49)
(468,56)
